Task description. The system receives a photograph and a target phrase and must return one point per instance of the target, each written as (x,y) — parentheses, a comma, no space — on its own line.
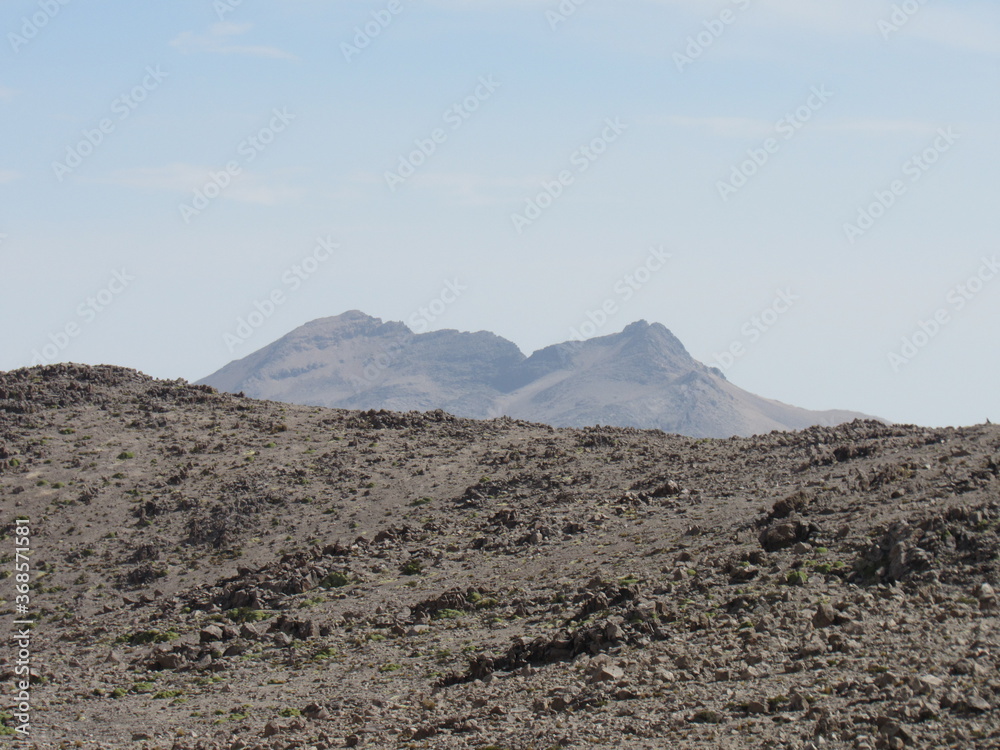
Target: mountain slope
(641,377)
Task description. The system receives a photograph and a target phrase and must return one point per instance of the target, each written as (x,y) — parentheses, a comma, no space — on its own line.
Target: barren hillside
(213,572)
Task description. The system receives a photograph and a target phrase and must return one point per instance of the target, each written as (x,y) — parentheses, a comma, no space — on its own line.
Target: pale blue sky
(866,98)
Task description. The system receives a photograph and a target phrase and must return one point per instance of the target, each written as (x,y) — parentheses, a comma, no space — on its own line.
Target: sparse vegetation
(335,580)
(411,568)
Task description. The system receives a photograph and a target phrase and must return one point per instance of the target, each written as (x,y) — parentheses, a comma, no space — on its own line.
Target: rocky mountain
(641,377)
(210,572)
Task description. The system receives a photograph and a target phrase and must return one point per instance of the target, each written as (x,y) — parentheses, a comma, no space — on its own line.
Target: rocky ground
(216,572)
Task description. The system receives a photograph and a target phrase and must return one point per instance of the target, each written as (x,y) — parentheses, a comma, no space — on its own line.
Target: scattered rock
(607,673)
(210,634)
(925,684)
(784,534)
(825,616)
(301,569)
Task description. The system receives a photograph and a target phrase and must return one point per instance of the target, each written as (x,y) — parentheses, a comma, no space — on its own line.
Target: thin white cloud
(175,177)
(859,16)
(954,28)
(253,190)
(217,41)
(6,93)
(185,178)
(228,28)
(464,188)
(843,14)
(749,127)
(973,27)
(470,189)
(881,126)
(8,175)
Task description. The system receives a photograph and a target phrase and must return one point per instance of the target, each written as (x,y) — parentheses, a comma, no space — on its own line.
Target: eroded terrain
(217,572)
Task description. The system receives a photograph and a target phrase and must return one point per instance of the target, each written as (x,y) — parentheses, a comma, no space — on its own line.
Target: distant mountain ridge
(641,377)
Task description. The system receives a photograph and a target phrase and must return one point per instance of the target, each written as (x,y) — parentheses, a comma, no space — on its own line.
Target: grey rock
(825,616)
(797,702)
(783,534)
(169,661)
(607,673)
(925,684)
(210,633)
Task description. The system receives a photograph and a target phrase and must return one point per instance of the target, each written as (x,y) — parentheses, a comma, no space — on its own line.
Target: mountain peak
(353,315)
(347,325)
(641,376)
(637,327)
(349,319)
(654,339)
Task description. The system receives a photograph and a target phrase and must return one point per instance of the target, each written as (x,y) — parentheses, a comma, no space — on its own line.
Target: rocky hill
(641,377)
(212,572)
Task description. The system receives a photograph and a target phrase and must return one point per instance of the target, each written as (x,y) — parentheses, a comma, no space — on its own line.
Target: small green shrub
(247,614)
(144,637)
(411,568)
(797,578)
(335,580)
(166,694)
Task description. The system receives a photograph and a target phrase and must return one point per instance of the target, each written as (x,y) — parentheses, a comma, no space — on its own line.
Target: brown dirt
(217,572)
